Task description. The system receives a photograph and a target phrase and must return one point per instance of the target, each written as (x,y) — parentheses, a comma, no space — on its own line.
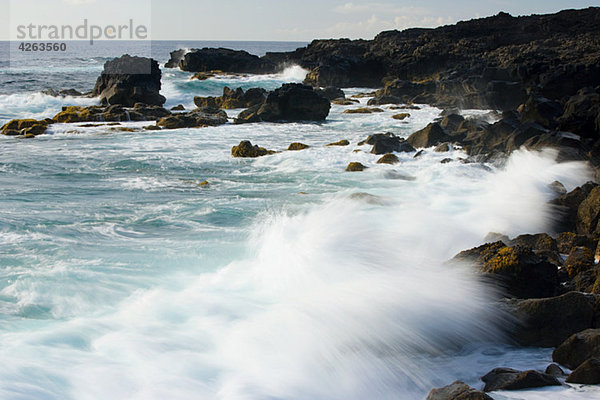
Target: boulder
(128,80)
(232,99)
(512,379)
(355,167)
(200,117)
(401,116)
(578,348)
(555,371)
(25,127)
(246,150)
(457,391)
(388,159)
(384,143)
(580,259)
(588,373)
(522,273)
(291,102)
(452,122)
(178,107)
(550,321)
(297,146)
(432,135)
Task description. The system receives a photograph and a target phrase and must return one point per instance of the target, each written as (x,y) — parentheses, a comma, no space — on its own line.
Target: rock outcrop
(291,102)
(129,80)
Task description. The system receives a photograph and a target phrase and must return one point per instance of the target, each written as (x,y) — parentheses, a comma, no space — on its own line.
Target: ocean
(122,277)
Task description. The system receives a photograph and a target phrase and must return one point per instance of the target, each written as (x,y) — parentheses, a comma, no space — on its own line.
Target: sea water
(122,277)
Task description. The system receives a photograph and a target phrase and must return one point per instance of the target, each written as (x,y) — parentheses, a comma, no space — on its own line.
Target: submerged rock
(401,116)
(363,110)
(457,391)
(342,142)
(512,379)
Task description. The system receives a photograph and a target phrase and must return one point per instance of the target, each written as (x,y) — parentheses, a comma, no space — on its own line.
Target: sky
(273,20)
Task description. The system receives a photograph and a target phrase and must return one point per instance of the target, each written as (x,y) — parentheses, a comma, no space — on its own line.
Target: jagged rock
(550,321)
(246,150)
(587,373)
(568,206)
(388,159)
(512,379)
(297,146)
(581,113)
(227,60)
(541,111)
(355,167)
(232,99)
(291,102)
(194,119)
(432,135)
(128,80)
(178,107)
(342,142)
(578,348)
(457,391)
(384,143)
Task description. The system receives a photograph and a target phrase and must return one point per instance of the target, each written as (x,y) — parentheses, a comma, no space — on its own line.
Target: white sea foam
(37,105)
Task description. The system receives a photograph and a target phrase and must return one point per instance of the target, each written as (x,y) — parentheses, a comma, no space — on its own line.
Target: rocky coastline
(541,75)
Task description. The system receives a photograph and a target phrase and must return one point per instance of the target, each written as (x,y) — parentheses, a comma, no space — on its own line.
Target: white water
(122,278)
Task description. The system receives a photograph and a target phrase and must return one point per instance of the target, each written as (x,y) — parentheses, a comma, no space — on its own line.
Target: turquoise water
(284,278)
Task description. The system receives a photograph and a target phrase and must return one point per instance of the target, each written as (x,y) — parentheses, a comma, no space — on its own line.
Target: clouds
(366,19)
(79,2)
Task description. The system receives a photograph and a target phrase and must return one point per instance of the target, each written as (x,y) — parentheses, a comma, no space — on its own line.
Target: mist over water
(286,278)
